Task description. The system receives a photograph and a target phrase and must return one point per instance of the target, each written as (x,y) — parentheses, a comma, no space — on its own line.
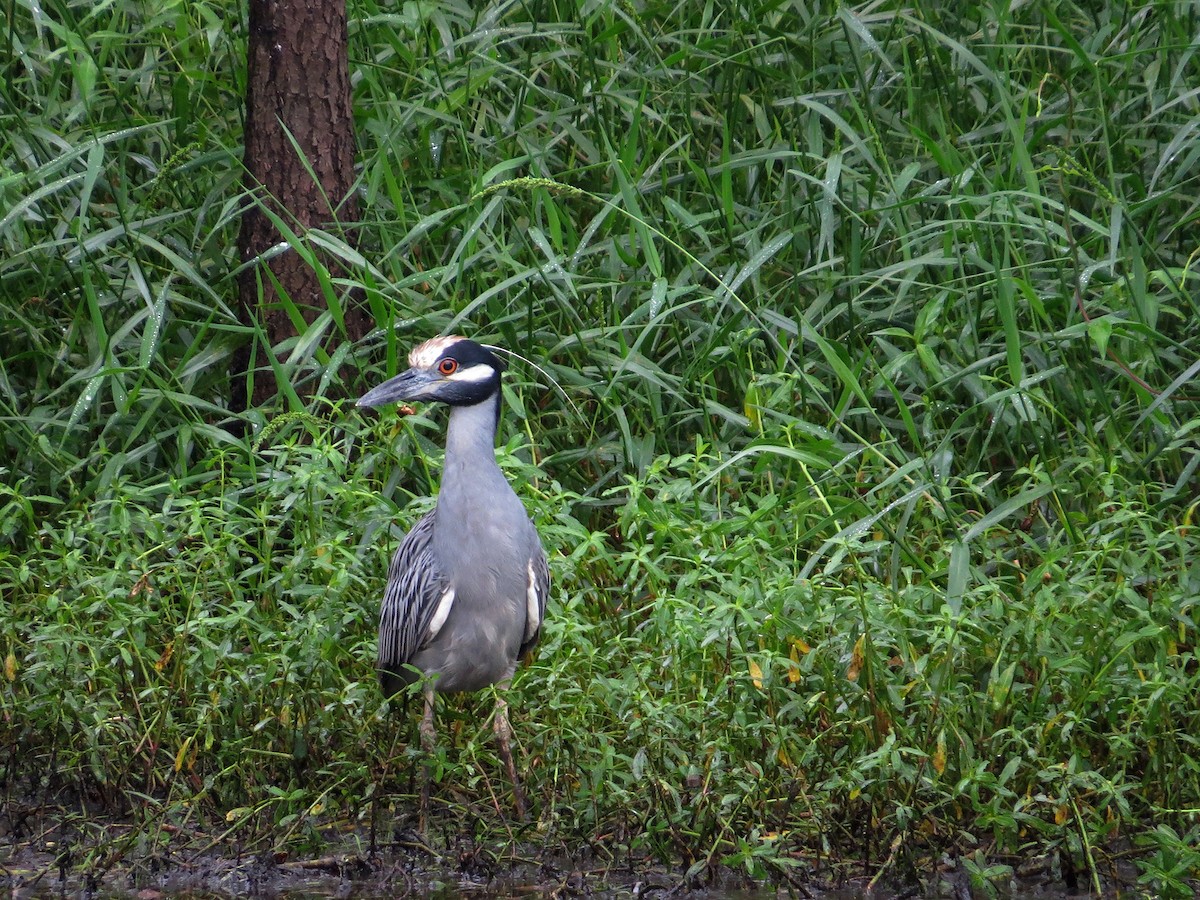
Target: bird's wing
(538,590)
(417,599)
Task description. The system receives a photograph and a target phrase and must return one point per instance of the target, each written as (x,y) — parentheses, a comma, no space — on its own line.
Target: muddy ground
(60,850)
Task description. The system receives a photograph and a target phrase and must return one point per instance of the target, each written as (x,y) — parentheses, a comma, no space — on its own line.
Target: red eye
(448,366)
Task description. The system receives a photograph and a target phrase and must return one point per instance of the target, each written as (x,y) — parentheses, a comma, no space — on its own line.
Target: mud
(77,852)
(404,870)
(54,853)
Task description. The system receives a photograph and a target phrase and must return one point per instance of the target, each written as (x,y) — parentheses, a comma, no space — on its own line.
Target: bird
(467,587)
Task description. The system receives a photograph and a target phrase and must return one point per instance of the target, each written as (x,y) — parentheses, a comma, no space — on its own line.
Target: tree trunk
(298,83)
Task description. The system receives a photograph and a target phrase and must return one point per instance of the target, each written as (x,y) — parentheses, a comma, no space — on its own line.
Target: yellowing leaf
(1060,815)
(756,674)
(168,652)
(750,406)
(10,666)
(939,754)
(856,659)
(182,754)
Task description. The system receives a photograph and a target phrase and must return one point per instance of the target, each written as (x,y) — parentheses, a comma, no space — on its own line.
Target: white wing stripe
(533,605)
(439,616)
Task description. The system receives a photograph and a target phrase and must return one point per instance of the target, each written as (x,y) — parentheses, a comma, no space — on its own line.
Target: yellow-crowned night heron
(467,587)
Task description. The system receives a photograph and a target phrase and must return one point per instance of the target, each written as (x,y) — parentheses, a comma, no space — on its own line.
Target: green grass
(864,441)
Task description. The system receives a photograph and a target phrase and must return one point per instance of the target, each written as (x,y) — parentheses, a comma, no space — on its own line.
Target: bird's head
(449,370)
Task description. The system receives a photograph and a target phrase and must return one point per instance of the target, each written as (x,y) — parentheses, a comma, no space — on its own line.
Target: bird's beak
(410,385)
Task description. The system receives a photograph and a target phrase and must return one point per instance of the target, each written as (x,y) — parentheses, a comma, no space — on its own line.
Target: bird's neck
(471,437)
(474,499)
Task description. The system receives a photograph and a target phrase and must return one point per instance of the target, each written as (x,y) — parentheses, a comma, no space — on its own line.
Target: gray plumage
(479,543)
(467,587)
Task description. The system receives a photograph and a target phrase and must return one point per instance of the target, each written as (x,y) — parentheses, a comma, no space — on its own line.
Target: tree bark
(298,83)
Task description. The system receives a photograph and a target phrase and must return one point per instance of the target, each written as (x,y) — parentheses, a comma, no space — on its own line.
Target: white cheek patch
(477,373)
(440,614)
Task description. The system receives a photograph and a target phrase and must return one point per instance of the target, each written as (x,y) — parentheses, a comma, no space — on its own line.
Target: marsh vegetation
(860,424)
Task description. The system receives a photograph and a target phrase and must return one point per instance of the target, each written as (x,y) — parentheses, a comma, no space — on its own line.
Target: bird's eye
(448,366)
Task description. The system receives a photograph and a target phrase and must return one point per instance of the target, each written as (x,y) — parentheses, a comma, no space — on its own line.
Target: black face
(468,353)
(449,370)
(470,373)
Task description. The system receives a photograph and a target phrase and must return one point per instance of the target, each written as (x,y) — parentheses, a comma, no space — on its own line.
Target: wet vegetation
(859,419)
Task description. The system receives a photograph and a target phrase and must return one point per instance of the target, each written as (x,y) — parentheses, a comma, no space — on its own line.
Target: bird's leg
(503,737)
(428,744)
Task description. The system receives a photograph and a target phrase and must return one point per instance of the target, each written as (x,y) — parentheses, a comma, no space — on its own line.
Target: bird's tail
(392,682)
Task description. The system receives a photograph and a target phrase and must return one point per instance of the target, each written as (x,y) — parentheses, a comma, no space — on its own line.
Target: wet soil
(408,870)
(59,851)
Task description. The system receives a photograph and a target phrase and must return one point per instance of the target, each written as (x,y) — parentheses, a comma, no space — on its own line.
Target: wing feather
(416,588)
(539,589)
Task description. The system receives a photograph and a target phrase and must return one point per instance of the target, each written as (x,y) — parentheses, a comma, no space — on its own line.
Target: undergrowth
(861,429)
